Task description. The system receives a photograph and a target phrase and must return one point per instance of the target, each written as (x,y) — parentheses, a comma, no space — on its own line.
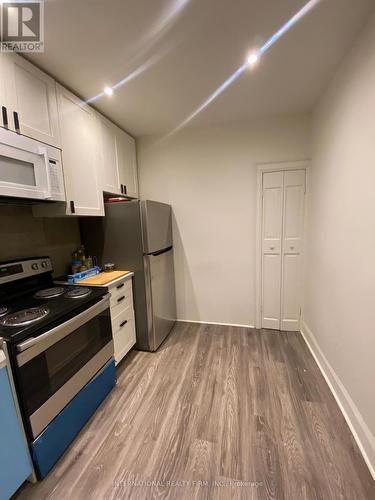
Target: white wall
(339,312)
(209,177)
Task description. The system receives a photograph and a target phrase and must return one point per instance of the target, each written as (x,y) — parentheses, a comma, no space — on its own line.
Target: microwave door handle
(43,152)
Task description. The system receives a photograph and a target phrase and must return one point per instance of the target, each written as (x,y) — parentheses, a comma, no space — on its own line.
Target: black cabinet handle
(123,323)
(16,122)
(121,298)
(72,207)
(124,189)
(5,116)
(120,286)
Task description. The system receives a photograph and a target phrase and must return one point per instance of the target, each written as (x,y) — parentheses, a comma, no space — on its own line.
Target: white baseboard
(213,323)
(362,434)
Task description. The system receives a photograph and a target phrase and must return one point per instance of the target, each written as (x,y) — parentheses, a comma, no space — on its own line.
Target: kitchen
(162,318)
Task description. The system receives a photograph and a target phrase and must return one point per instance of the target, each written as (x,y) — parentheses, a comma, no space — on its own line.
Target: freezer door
(156,226)
(160,270)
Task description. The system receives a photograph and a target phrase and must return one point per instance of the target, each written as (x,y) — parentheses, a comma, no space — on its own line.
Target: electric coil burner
(25,317)
(58,340)
(78,293)
(49,293)
(3,310)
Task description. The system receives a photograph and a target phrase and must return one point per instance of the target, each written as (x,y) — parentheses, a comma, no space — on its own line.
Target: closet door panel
(293,217)
(290,292)
(271,248)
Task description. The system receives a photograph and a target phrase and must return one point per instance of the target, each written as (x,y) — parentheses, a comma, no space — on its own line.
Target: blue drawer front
(15,464)
(55,438)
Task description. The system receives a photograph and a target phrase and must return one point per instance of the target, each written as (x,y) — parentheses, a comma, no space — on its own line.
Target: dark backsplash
(22,235)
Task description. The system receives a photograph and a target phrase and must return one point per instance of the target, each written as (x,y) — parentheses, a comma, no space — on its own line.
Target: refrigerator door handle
(159,252)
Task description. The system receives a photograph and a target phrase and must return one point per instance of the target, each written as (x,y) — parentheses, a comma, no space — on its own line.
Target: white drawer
(121,301)
(123,315)
(124,337)
(120,288)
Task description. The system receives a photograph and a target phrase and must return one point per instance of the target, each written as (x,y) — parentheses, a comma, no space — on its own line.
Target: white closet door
(271,248)
(293,214)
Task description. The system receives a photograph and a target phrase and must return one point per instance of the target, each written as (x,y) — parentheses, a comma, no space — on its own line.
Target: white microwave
(29,168)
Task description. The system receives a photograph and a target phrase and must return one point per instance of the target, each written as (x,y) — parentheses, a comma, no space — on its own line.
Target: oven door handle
(36,345)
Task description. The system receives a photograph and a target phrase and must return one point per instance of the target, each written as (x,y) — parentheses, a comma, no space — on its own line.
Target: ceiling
(180,51)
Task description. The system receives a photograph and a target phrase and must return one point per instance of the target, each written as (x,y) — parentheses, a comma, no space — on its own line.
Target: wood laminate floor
(218,412)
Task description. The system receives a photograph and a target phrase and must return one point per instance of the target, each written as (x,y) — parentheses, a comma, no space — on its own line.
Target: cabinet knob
(16,122)
(272,248)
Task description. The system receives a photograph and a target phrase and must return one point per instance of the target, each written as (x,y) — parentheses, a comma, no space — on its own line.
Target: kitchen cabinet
(109,164)
(30,96)
(97,155)
(128,163)
(118,166)
(122,316)
(4,114)
(14,457)
(80,155)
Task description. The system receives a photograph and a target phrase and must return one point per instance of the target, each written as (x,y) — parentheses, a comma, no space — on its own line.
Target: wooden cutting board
(103,278)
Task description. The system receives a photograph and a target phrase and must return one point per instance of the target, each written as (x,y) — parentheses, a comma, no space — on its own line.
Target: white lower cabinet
(122,316)
(124,337)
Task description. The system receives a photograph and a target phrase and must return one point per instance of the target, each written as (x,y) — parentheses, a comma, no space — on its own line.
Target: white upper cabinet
(4,113)
(118,166)
(109,167)
(128,163)
(31,100)
(80,155)
(97,155)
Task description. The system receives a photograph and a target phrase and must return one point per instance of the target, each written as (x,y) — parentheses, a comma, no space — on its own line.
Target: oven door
(53,367)
(29,169)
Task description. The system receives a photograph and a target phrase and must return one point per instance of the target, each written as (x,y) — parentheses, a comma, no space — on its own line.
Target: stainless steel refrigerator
(137,236)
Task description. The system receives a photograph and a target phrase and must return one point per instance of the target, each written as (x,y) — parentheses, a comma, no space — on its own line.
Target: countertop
(62,280)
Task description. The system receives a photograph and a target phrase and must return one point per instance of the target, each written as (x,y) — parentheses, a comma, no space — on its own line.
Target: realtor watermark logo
(22,26)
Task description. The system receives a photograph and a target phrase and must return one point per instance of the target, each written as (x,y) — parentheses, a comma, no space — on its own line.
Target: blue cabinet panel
(53,441)
(15,464)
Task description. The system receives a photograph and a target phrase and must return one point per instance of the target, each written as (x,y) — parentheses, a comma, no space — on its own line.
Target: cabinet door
(33,99)
(80,155)
(14,458)
(271,248)
(127,163)
(293,217)
(5,114)
(109,171)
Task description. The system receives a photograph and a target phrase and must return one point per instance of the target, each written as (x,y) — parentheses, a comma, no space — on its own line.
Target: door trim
(262,168)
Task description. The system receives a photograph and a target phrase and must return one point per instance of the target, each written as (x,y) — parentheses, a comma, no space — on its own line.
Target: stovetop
(32,313)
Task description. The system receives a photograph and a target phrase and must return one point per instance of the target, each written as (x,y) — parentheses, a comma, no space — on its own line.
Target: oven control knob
(44,264)
(34,266)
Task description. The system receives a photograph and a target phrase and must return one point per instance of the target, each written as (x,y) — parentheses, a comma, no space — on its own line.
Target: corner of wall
(361,433)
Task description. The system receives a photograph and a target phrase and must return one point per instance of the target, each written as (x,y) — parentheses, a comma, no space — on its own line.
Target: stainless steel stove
(58,340)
